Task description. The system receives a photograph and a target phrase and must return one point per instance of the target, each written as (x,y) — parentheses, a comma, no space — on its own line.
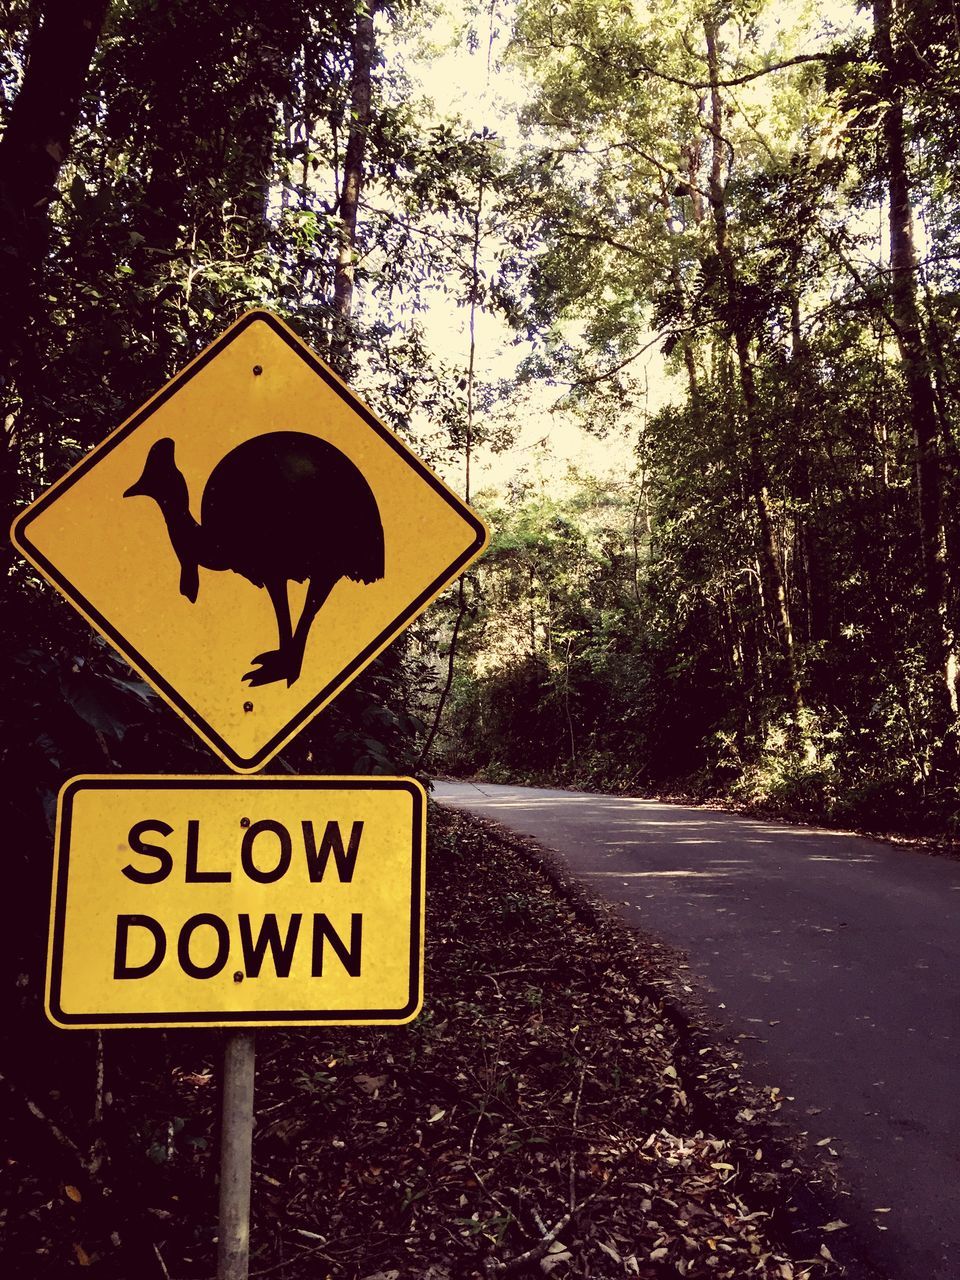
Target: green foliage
(641,645)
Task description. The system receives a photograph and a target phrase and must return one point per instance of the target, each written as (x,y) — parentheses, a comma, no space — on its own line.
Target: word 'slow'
(266,852)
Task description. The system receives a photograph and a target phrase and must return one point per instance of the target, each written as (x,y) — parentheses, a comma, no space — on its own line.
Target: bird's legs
(317,593)
(284,663)
(274,664)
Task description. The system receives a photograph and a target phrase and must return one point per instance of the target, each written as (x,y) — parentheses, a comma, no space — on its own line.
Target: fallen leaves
(534,1117)
(370,1084)
(544,1113)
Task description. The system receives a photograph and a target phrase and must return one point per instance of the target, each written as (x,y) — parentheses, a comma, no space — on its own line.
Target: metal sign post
(236,1143)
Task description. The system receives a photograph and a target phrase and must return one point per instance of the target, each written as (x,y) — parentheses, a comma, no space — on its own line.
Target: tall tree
(737,318)
(351,185)
(35,144)
(33,149)
(913,352)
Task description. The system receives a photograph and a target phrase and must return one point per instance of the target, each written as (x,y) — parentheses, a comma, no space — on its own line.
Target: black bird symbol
(281,507)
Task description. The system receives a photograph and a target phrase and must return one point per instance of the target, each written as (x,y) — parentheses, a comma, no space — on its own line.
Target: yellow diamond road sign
(205,901)
(250,539)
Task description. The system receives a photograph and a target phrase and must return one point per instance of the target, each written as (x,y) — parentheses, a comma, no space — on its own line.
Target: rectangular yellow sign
(222,901)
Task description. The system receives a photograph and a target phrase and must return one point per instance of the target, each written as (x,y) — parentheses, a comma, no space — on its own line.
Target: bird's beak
(136,490)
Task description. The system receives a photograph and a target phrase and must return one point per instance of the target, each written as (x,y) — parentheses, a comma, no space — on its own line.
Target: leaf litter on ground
(549,1113)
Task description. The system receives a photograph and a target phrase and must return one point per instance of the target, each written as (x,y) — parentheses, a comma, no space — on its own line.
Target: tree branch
(834,59)
(594,378)
(639,65)
(598,237)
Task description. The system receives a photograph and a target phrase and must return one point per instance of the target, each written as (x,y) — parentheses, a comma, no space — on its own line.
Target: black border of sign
(247,1018)
(21,540)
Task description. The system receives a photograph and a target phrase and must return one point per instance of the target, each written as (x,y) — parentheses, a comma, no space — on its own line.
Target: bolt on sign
(223,901)
(250,539)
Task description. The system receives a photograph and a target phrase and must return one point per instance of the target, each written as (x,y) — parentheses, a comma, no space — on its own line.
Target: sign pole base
(236,1140)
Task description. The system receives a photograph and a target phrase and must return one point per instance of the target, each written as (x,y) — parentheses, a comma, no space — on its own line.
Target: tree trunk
(32,152)
(186,143)
(474,302)
(37,138)
(676,288)
(352,185)
(811,548)
(914,358)
(261,87)
(757,469)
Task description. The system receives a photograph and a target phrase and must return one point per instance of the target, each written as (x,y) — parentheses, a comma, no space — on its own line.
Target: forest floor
(558,1108)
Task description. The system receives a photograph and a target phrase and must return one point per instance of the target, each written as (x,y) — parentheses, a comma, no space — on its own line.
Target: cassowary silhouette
(281,507)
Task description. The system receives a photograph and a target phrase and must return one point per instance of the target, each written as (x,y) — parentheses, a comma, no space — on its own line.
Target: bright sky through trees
(478,81)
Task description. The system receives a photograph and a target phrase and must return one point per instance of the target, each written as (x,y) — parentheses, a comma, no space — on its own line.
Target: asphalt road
(840,955)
